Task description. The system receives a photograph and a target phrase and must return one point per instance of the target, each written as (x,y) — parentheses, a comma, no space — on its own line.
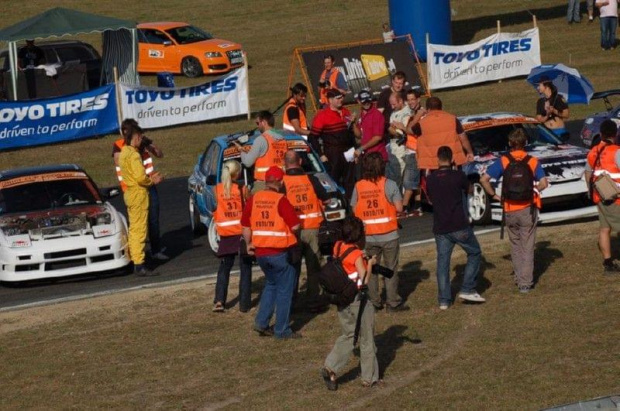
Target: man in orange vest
(269,226)
(605,158)
(521,216)
(331,78)
(267,150)
(376,200)
(147,151)
(439,128)
(306,194)
(294,117)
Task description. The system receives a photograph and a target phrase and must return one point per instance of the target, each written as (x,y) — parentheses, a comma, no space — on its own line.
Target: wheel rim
(190,67)
(214,238)
(477,202)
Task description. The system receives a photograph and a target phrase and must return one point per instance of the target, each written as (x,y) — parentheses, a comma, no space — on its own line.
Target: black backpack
(338,287)
(518,180)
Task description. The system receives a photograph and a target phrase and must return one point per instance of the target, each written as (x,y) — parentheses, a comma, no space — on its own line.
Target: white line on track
(173,282)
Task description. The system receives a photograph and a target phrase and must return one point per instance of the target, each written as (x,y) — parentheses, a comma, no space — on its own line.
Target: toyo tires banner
(52,120)
(155,107)
(496,57)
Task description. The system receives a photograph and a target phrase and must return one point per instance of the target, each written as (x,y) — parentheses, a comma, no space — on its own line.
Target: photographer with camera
(267,150)
(376,200)
(331,78)
(447,189)
(358,269)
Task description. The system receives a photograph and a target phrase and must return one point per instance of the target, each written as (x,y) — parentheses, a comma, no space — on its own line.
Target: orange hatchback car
(183,48)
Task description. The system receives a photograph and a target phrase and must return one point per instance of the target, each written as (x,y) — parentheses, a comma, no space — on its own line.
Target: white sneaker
(160,256)
(443,307)
(472,297)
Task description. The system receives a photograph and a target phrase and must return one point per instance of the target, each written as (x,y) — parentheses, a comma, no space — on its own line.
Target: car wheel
(479,205)
(190,67)
(214,238)
(194,219)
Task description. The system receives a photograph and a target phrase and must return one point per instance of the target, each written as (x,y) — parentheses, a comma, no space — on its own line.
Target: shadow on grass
(483,282)
(463,31)
(388,343)
(410,275)
(544,257)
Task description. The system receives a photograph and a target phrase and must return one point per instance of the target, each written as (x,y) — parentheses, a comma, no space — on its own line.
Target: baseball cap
(364,96)
(332,92)
(274,174)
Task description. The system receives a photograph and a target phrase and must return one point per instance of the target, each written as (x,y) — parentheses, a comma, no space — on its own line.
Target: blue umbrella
(571,85)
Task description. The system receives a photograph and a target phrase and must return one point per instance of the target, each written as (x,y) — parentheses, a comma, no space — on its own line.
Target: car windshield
(188,34)
(17,196)
(495,139)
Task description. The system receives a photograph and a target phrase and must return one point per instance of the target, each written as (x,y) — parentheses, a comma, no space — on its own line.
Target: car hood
(73,218)
(213,45)
(562,163)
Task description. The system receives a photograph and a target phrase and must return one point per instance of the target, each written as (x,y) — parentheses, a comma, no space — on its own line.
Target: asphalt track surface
(190,258)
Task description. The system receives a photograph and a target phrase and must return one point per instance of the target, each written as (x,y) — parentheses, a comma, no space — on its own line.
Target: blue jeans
(572,14)
(245,280)
(466,239)
(277,294)
(154,220)
(608,32)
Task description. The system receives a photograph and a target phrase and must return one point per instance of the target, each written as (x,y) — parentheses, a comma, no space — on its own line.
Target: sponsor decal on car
(39,178)
(156,54)
(491,122)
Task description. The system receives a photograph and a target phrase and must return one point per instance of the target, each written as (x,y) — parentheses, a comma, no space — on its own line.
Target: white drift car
(54,223)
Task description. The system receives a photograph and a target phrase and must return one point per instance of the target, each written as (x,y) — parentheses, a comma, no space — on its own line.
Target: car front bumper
(66,256)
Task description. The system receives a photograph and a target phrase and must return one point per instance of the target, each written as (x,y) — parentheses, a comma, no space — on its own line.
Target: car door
(209,168)
(157,52)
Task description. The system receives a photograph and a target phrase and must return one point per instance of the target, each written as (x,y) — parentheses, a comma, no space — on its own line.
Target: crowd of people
(378,157)
(608,18)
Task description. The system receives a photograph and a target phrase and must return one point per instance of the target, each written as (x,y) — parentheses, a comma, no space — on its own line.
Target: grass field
(270,30)
(165,349)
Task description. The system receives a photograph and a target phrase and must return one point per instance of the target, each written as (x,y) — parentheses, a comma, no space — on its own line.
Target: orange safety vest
(333,79)
(373,207)
(349,261)
(273,157)
(147,162)
(438,129)
(300,193)
(412,142)
(286,123)
(227,215)
(269,230)
(510,205)
(607,165)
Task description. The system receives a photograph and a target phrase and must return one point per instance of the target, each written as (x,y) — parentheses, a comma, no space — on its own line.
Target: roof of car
(484,120)
(162,25)
(223,140)
(20,172)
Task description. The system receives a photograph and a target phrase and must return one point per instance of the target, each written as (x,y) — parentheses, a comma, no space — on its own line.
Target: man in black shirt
(447,189)
(28,58)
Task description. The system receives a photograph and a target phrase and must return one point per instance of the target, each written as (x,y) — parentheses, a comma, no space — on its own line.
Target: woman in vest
(359,270)
(230,199)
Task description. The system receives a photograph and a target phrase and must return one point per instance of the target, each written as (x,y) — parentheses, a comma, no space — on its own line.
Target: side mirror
(211,180)
(112,192)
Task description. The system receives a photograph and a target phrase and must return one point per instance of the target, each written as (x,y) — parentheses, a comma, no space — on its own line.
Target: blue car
(590,135)
(207,174)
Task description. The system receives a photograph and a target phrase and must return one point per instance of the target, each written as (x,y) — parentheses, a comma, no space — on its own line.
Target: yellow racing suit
(136,199)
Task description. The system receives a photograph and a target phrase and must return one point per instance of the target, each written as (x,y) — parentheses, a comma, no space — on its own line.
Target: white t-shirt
(609,10)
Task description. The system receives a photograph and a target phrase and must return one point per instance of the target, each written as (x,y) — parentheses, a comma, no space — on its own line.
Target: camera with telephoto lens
(380,269)
(325,84)
(402,138)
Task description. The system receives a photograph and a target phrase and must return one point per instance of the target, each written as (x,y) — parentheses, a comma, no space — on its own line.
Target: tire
(194,219)
(191,67)
(479,205)
(213,237)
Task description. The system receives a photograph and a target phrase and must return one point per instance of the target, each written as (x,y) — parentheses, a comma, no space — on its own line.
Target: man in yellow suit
(137,195)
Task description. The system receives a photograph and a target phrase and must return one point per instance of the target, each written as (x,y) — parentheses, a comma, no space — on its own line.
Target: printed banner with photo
(496,57)
(155,107)
(364,66)
(52,120)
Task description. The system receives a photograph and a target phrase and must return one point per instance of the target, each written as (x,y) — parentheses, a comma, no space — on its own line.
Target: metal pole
(13,61)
